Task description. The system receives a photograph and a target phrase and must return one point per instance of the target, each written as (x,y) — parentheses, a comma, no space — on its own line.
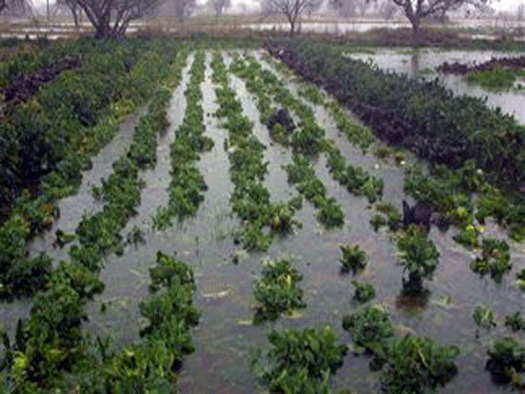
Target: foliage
(515,322)
(495,259)
(415,364)
(370,328)
(187,183)
(483,317)
(364,292)
(300,361)
(497,79)
(388,216)
(276,291)
(250,198)
(354,259)
(506,361)
(418,255)
(20,274)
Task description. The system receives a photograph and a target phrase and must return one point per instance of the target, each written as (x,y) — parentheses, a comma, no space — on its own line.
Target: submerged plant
(414,364)
(364,292)
(419,256)
(495,259)
(300,361)
(484,317)
(507,361)
(354,259)
(276,291)
(369,327)
(515,322)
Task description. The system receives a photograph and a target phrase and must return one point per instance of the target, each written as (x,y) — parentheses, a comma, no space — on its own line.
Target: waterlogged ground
(423,63)
(225,339)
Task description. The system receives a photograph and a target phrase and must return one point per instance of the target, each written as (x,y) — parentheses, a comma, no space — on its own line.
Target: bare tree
(417,10)
(182,8)
(111,18)
(71,6)
(291,9)
(15,7)
(219,6)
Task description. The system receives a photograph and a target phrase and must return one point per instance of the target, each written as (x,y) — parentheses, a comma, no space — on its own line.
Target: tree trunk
(416,32)
(102,30)
(75,16)
(292,28)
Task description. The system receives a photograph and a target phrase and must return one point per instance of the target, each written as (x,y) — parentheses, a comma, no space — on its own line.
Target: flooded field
(423,63)
(226,338)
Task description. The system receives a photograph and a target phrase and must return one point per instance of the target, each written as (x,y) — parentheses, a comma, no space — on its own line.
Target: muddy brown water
(225,340)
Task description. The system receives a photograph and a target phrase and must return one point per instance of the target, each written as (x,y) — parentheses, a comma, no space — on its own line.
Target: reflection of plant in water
(276,291)
(300,361)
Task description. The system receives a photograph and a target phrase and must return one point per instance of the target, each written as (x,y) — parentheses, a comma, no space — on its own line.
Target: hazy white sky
(503,5)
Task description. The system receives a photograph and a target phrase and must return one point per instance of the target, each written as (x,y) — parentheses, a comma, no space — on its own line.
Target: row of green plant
(310,138)
(250,198)
(51,351)
(425,115)
(22,274)
(187,183)
(143,148)
(48,140)
(360,136)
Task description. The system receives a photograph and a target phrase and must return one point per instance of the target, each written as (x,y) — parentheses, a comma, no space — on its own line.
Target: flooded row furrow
(455,290)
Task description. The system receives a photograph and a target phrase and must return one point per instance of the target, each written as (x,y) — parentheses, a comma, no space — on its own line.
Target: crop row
(309,140)
(187,183)
(21,273)
(423,116)
(451,193)
(250,198)
(51,344)
(360,136)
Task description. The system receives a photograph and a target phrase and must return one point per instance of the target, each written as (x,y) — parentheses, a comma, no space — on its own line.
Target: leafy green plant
(354,259)
(495,259)
(364,292)
(497,79)
(484,317)
(389,215)
(276,291)
(416,364)
(330,212)
(515,322)
(300,361)
(506,361)
(418,255)
(370,328)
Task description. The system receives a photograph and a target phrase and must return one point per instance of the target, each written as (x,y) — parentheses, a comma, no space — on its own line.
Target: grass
(498,79)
